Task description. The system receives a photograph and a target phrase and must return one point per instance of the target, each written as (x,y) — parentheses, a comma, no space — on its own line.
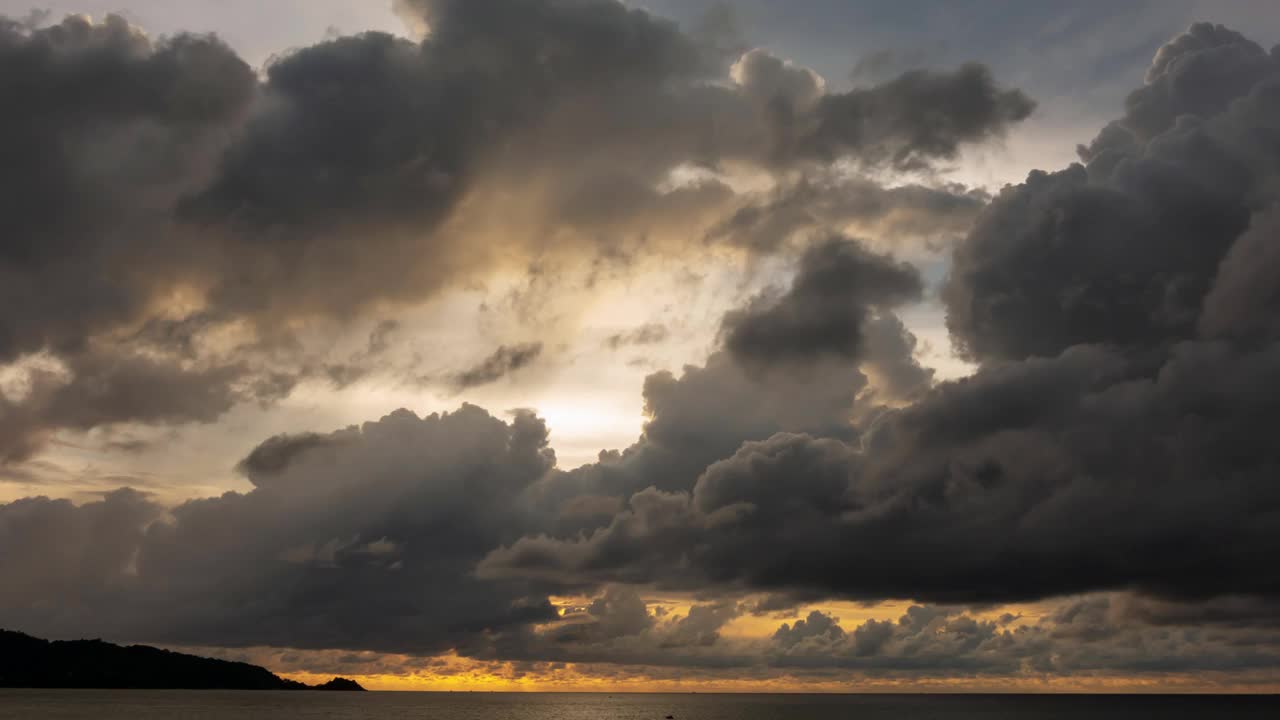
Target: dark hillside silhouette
(30,662)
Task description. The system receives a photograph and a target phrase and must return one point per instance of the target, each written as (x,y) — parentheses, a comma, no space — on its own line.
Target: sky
(588,345)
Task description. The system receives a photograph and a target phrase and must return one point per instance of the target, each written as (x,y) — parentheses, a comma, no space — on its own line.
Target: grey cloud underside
(1114,436)
(106,127)
(836,290)
(1084,637)
(817,203)
(250,571)
(1092,634)
(1114,440)
(110,388)
(505,360)
(1081,636)
(1123,250)
(366,538)
(141,170)
(369,537)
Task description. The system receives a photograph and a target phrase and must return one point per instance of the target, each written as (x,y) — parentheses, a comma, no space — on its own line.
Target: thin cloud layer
(503,361)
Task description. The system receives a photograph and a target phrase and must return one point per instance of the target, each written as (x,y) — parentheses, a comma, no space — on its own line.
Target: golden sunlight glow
(454,674)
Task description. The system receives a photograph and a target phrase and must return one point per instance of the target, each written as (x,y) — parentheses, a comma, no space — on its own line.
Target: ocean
(261,705)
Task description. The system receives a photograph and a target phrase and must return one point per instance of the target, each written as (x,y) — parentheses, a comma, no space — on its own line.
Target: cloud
(1104,443)
(365,538)
(880,125)
(648,334)
(111,126)
(889,357)
(335,534)
(771,81)
(897,215)
(504,361)
(885,123)
(1110,456)
(1125,249)
(817,627)
(275,454)
(1243,301)
(81,548)
(99,389)
(199,214)
(837,287)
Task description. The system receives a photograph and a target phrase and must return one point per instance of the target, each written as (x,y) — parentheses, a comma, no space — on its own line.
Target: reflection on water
(225,705)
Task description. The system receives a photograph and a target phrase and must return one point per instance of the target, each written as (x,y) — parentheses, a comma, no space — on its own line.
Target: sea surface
(262,705)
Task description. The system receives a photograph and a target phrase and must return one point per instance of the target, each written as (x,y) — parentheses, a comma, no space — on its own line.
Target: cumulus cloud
(335,529)
(1111,448)
(364,538)
(102,388)
(1125,249)
(890,358)
(1077,637)
(838,286)
(1104,443)
(884,123)
(112,126)
(161,191)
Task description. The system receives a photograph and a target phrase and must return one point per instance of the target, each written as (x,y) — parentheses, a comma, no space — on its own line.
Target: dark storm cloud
(104,126)
(54,548)
(274,455)
(1082,636)
(106,389)
(107,127)
(370,537)
(349,177)
(1079,637)
(1114,441)
(364,539)
(1199,73)
(695,418)
(349,543)
(1125,250)
(885,123)
(1228,611)
(838,286)
(1105,443)
(880,125)
(619,627)
(976,493)
(890,356)
(504,361)
(706,412)
(1244,301)
(321,541)
(902,213)
(380,137)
